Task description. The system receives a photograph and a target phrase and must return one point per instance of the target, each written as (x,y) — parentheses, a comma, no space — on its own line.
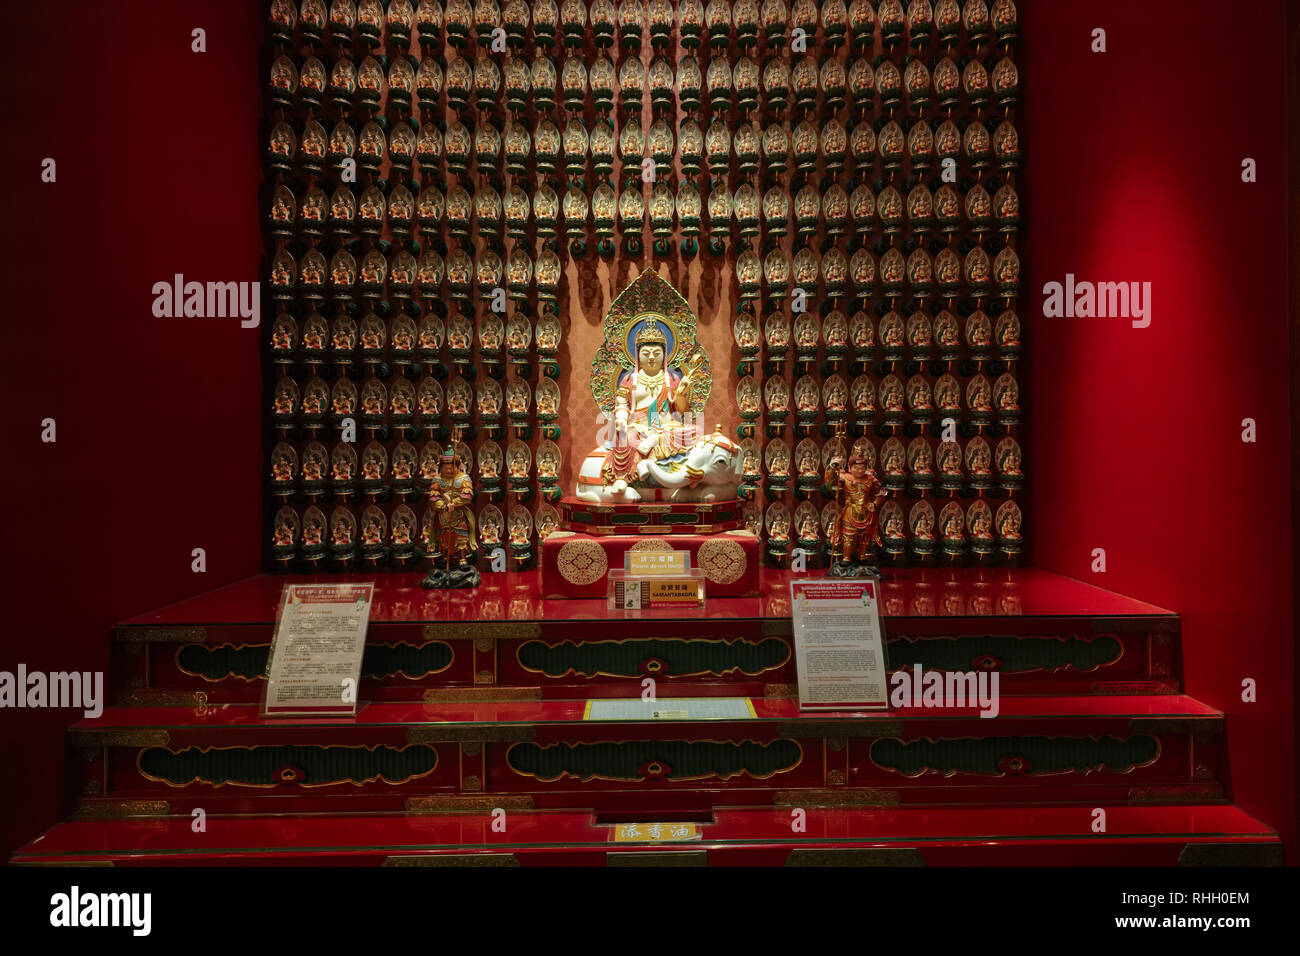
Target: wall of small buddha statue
(457,192)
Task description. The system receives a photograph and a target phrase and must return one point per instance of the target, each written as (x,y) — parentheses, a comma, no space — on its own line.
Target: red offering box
(575,565)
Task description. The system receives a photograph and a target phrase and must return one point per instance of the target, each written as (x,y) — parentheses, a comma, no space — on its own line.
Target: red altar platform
(1042,836)
(912,593)
(482,700)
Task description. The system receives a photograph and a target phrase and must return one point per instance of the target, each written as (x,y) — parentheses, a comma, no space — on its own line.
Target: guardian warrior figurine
(450,495)
(856,527)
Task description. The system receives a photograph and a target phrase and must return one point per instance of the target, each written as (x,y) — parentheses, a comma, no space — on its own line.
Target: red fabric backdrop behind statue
(1132,172)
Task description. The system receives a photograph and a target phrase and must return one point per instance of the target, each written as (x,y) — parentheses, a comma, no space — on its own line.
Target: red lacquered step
(1001,593)
(542,712)
(761,836)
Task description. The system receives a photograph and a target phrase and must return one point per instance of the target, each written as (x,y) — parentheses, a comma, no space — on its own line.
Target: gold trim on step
(482,733)
(118,738)
(487,630)
(459,804)
(160,635)
(858,797)
(481,693)
(112,809)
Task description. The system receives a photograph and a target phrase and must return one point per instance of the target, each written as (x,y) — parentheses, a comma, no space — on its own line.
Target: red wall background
(1134,173)
(1133,161)
(159,420)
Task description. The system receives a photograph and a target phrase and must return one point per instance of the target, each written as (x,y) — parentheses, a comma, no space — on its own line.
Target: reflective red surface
(571,711)
(962,592)
(1054,829)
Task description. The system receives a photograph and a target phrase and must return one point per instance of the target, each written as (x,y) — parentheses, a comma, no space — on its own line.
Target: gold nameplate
(657,563)
(656,832)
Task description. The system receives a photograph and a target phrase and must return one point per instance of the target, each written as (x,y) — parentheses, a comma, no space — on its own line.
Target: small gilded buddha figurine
(450,495)
(856,527)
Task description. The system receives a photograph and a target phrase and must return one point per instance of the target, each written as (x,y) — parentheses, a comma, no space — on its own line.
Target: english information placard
(839,644)
(315,663)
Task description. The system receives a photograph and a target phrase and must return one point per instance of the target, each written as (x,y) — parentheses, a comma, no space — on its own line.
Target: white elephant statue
(710,470)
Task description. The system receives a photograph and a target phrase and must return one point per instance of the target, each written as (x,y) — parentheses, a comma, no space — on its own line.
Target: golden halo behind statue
(649,298)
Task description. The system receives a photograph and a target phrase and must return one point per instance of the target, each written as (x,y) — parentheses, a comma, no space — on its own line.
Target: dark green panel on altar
(655,759)
(663,656)
(272,766)
(1007,654)
(248,661)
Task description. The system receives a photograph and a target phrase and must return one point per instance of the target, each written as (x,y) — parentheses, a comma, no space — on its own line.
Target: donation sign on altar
(655,579)
(315,663)
(839,645)
(638,592)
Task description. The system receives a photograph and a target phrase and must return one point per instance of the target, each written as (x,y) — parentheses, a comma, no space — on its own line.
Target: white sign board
(315,662)
(676,708)
(839,644)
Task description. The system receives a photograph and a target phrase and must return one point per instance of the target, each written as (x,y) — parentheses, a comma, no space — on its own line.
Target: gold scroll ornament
(723,561)
(582,562)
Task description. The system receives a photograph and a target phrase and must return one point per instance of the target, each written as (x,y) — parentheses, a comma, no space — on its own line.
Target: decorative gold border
(1002,773)
(482,733)
(704,507)
(488,630)
(1177,793)
(914,640)
(674,780)
(481,693)
(858,797)
(77,863)
(469,804)
(727,550)
(1135,687)
(652,544)
(672,531)
(86,737)
(437,760)
(595,567)
(114,809)
(147,697)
